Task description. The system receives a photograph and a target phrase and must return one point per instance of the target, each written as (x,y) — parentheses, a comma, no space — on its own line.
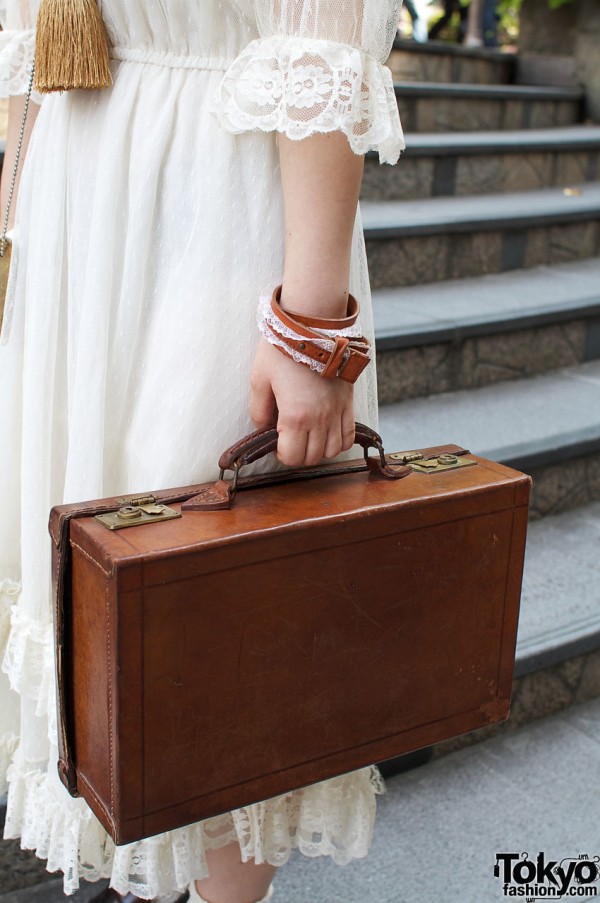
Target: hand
(314,416)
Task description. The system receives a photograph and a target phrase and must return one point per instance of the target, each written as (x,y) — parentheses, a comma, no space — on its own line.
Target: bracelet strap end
(346,362)
(334,365)
(353,366)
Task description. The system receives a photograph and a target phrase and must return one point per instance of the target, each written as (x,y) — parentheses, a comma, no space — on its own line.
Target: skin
(15,118)
(321,182)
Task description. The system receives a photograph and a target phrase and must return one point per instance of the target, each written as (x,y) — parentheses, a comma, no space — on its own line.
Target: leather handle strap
(262,442)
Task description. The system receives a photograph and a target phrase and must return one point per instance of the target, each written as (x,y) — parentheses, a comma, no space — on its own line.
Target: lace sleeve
(17,44)
(317,67)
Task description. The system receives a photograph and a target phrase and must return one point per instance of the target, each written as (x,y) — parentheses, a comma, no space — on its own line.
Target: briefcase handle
(260,443)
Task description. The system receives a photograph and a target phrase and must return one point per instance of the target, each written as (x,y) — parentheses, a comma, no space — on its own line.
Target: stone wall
(562,47)
(548,31)
(587,54)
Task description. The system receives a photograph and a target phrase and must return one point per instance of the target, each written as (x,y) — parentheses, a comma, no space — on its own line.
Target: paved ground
(440,826)
(17,869)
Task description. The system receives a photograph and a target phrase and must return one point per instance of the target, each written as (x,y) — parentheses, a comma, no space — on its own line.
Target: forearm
(321,179)
(15,119)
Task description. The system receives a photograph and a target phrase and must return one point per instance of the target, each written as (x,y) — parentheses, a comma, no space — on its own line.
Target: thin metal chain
(16,166)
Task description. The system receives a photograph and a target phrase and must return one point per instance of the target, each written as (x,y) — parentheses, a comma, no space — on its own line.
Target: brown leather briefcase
(213,654)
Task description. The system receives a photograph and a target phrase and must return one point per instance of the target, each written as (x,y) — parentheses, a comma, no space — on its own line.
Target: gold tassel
(71,47)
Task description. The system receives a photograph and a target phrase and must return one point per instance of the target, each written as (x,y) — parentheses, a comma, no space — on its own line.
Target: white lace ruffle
(330,819)
(17,49)
(63,831)
(29,663)
(300,86)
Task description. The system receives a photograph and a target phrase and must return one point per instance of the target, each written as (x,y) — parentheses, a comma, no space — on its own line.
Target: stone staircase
(484,254)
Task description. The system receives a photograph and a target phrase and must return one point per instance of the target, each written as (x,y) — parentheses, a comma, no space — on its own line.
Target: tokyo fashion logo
(544,878)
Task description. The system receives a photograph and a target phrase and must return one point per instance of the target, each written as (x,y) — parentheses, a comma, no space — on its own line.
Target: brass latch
(432,465)
(136,510)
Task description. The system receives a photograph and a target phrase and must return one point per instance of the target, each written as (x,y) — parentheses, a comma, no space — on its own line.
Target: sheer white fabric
(149,222)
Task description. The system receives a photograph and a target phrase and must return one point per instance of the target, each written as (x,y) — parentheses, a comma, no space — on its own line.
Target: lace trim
(300,86)
(266,318)
(334,818)
(29,663)
(17,50)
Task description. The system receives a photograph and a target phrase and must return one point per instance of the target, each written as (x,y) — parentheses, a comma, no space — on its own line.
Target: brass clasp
(136,510)
(443,462)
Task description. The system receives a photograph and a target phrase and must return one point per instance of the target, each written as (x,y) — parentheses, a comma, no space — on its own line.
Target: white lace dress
(149,222)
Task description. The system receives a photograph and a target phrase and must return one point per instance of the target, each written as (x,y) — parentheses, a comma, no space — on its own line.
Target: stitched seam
(87,555)
(101,804)
(110,702)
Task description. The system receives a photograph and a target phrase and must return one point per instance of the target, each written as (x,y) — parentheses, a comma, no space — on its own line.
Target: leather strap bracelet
(334,348)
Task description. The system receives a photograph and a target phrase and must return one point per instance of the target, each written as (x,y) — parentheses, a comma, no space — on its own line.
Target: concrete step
(548,426)
(469,163)
(412,242)
(468,333)
(439,61)
(51,890)
(560,603)
(433,107)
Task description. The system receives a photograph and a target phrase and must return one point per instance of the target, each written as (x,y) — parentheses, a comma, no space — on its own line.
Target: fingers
(300,445)
(334,442)
(314,416)
(316,447)
(291,445)
(262,404)
(262,409)
(340,436)
(348,428)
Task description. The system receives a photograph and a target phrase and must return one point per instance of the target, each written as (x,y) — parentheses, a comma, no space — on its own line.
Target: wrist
(326,297)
